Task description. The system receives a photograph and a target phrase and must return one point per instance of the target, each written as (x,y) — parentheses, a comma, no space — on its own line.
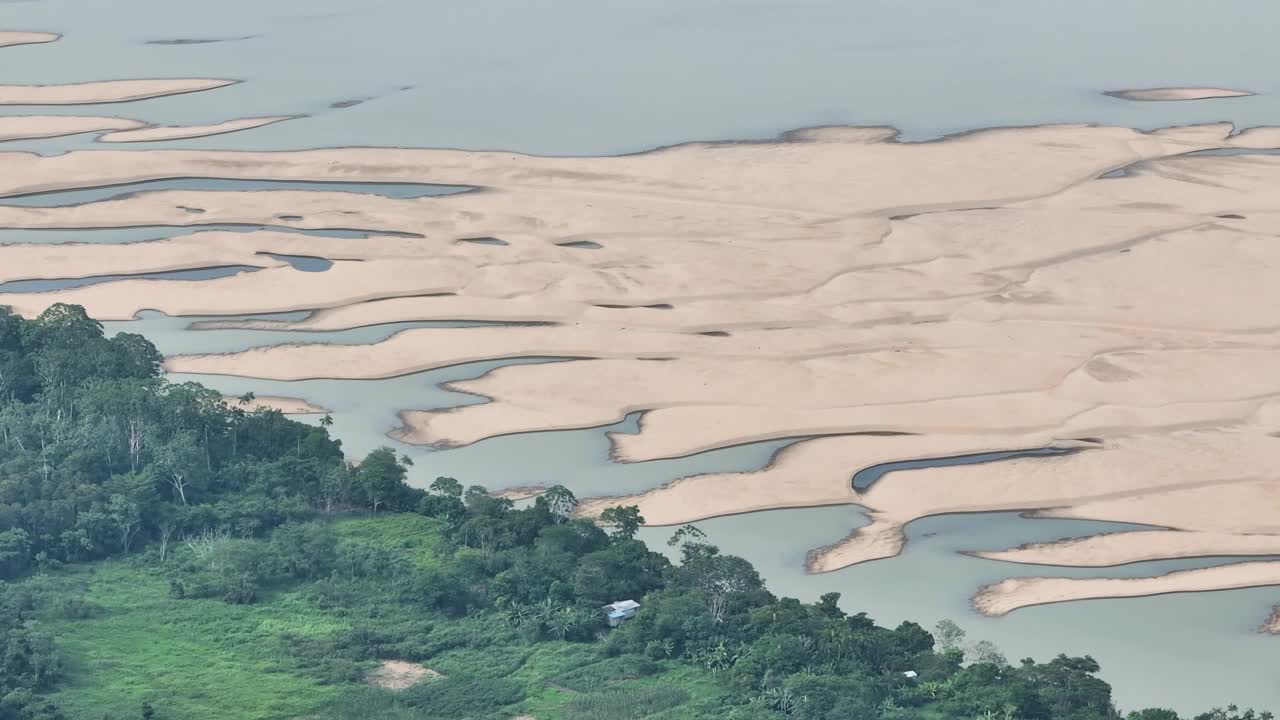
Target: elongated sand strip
(104,91)
(10,38)
(1004,597)
(286,405)
(890,301)
(1177,93)
(184,132)
(1137,546)
(24,127)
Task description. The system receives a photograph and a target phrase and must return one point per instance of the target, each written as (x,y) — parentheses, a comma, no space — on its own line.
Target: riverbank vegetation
(165,555)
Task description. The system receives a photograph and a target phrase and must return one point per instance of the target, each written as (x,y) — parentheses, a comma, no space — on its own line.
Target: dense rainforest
(166,554)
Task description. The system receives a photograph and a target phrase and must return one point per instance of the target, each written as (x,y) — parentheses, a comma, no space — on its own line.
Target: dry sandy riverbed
(997,290)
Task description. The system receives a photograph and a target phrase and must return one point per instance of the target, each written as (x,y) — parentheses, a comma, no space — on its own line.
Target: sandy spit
(1008,595)
(286,405)
(105,91)
(1177,93)
(23,127)
(9,38)
(1137,546)
(183,132)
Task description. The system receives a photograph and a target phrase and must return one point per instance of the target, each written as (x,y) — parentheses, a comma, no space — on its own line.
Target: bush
(461,698)
(626,702)
(596,676)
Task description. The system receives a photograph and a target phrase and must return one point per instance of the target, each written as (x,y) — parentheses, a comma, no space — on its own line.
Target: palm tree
(326,421)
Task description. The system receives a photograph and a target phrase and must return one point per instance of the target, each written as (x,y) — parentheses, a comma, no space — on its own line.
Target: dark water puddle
(38,286)
(867,477)
(80,196)
(305,263)
(483,241)
(581,245)
(655,306)
(198,41)
(144,233)
(1234,151)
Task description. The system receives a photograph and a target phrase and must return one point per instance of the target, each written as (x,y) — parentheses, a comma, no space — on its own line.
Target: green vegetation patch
(194,658)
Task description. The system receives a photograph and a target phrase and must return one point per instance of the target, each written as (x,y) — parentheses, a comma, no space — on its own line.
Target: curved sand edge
(9,38)
(1008,595)
(1122,548)
(286,405)
(186,132)
(1175,94)
(25,127)
(104,91)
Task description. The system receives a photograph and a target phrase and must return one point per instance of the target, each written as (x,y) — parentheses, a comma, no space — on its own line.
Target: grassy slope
(196,658)
(199,659)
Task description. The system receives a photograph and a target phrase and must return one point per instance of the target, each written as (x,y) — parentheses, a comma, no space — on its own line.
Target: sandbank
(1177,93)
(184,132)
(104,91)
(990,291)
(25,127)
(1137,546)
(9,38)
(286,405)
(1006,596)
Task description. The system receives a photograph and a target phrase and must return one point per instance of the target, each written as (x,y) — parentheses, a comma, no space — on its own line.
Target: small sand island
(10,38)
(26,127)
(1005,597)
(1174,94)
(286,405)
(180,132)
(104,91)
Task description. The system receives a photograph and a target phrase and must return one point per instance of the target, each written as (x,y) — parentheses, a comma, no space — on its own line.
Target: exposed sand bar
(985,292)
(1004,597)
(103,91)
(1177,94)
(286,405)
(22,127)
(183,132)
(1138,546)
(10,37)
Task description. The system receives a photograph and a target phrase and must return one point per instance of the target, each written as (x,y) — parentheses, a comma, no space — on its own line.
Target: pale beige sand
(398,674)
(1004,597)
(1178,93)
(23,127)
(286,405)
(104,91)
(985,292)
(1137,546)
(12,37)
(183,132)
(523,492)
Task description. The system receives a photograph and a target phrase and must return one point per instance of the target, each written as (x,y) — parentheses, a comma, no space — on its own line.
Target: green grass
(417,536)
(202,658)
(190,658)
